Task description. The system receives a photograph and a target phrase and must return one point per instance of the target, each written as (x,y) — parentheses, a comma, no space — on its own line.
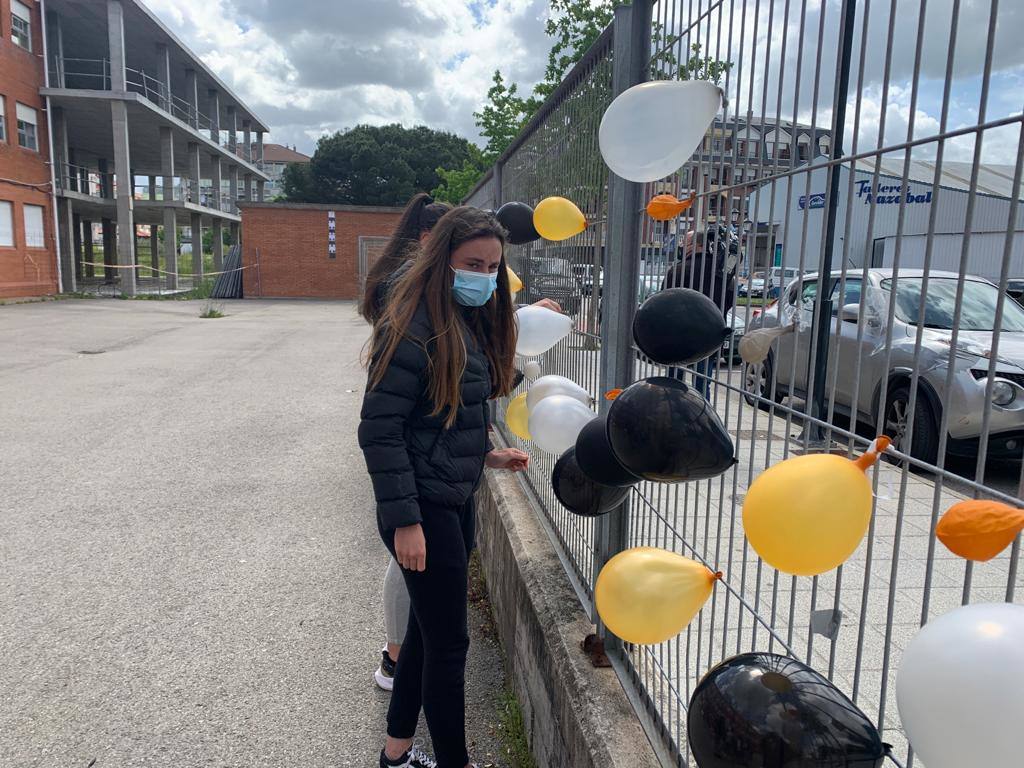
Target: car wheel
(897,422)
(757,380)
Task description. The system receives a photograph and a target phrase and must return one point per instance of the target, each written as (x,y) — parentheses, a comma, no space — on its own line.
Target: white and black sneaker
(384,675)
(414,758)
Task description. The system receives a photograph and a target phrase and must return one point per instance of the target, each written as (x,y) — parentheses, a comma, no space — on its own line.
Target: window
(21,25)
(6,224)
(27,127)
(3,119)
(35,235)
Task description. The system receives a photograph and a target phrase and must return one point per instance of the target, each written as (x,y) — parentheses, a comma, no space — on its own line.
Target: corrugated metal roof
(992,179)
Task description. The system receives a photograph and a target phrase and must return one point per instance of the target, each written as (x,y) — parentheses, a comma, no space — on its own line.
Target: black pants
(431,669)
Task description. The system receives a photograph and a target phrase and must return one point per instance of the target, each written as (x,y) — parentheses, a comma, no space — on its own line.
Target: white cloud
(309,68)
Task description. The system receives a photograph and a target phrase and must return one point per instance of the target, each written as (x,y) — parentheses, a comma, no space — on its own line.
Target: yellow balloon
(646,595)
(807,514)
(556,218)
(515,285)
(517,417)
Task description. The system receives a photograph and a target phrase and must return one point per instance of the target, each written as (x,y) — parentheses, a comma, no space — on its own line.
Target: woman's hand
(551,304)
(411,547)
(511,459)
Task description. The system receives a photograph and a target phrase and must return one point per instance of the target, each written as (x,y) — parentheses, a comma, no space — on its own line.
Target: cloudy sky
(310,67)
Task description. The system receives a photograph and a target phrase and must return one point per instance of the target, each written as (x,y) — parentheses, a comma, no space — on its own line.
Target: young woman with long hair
(442,348)
(421,213)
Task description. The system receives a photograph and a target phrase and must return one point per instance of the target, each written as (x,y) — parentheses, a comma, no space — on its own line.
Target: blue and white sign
(891,194)
(812,202)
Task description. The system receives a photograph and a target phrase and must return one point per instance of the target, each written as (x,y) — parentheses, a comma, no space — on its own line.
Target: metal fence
(876,144)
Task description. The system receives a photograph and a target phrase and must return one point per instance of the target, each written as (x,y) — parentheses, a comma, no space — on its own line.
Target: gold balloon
(517,417)
(647,595)
(515,285)
(556,218)
(808,514)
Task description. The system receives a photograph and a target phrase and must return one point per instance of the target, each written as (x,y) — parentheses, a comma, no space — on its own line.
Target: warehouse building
(792,217)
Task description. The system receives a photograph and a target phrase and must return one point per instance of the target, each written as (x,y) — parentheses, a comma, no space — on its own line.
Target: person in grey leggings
(396,619)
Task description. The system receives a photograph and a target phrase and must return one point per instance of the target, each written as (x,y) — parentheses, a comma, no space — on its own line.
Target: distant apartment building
(737,154)
(277,157)
(28,263)
(146,141)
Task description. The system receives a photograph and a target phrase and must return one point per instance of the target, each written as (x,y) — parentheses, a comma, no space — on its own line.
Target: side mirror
(850,313)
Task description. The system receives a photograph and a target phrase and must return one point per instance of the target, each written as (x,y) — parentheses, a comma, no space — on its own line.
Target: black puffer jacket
(409,453)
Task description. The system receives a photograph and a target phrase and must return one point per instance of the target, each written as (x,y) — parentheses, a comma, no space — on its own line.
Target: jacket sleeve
(386,409)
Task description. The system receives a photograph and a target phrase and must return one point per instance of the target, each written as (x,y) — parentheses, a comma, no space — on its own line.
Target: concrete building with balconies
(147,140)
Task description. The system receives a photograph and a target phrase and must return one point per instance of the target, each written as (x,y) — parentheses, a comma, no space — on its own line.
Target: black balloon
(596,459)
(517,218)
(774,712)
(662,430)
(678,326)
(578,493)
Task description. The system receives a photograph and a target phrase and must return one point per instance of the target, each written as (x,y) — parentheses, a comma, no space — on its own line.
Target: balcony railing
(94,74)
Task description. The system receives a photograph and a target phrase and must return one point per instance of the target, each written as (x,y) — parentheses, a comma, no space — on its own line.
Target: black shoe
(414,758)
(384,675)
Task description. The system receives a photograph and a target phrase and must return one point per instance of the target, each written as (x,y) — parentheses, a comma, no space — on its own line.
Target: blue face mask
(473,289)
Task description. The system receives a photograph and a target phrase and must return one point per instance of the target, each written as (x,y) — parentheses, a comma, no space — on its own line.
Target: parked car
(734,319)
(778,377)
(548,274)
(757,285)
(779,278)
(585,275)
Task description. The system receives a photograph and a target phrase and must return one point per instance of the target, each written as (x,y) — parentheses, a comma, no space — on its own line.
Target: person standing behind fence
(443,347)
(704,265)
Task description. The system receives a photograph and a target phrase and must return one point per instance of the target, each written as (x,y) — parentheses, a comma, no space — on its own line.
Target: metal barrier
(842,153)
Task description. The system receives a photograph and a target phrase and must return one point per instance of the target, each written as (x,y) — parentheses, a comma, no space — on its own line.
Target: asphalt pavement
(190,564)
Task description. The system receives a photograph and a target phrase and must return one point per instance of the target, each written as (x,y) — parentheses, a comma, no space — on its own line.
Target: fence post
(823,320)
(631,41)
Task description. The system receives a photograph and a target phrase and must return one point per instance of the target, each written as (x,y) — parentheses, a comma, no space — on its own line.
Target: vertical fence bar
(629,67)
(823,307)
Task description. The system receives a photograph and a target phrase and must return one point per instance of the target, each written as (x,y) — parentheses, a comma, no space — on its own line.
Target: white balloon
(960,688)
(556,422)
(546,386)
(652,129)
(539,330)
(532,370)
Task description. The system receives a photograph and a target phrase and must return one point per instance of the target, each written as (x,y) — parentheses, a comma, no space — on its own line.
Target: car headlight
(1003,392)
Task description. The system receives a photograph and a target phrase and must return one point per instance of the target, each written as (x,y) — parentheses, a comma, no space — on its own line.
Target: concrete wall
(576,716)
(293,245)
(25,271)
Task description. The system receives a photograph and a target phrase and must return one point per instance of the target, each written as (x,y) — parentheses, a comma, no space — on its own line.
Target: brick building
(28,261)
(311,250)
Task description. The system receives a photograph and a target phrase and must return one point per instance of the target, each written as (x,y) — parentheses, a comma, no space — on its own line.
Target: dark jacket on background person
(410,455)
(703,272)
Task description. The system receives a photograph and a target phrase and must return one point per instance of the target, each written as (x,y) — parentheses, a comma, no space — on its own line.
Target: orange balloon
(979,529)
(665,207)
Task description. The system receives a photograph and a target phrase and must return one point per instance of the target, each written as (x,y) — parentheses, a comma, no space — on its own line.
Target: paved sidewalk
(190,563)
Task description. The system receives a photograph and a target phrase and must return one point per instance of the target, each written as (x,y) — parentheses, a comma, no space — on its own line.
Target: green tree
(297,183)
(501,118)
(457,183)
(376,165)
(574,25)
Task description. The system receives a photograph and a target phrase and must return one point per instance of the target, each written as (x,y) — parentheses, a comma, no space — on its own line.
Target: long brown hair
(429,280)
(420,215)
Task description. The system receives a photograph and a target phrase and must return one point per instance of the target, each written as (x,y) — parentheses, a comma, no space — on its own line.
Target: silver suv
(971,357)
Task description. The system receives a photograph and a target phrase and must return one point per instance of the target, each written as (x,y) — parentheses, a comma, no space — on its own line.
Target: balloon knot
(717,575)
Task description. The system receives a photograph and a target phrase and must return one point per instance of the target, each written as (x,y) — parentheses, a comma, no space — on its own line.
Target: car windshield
(978,309)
